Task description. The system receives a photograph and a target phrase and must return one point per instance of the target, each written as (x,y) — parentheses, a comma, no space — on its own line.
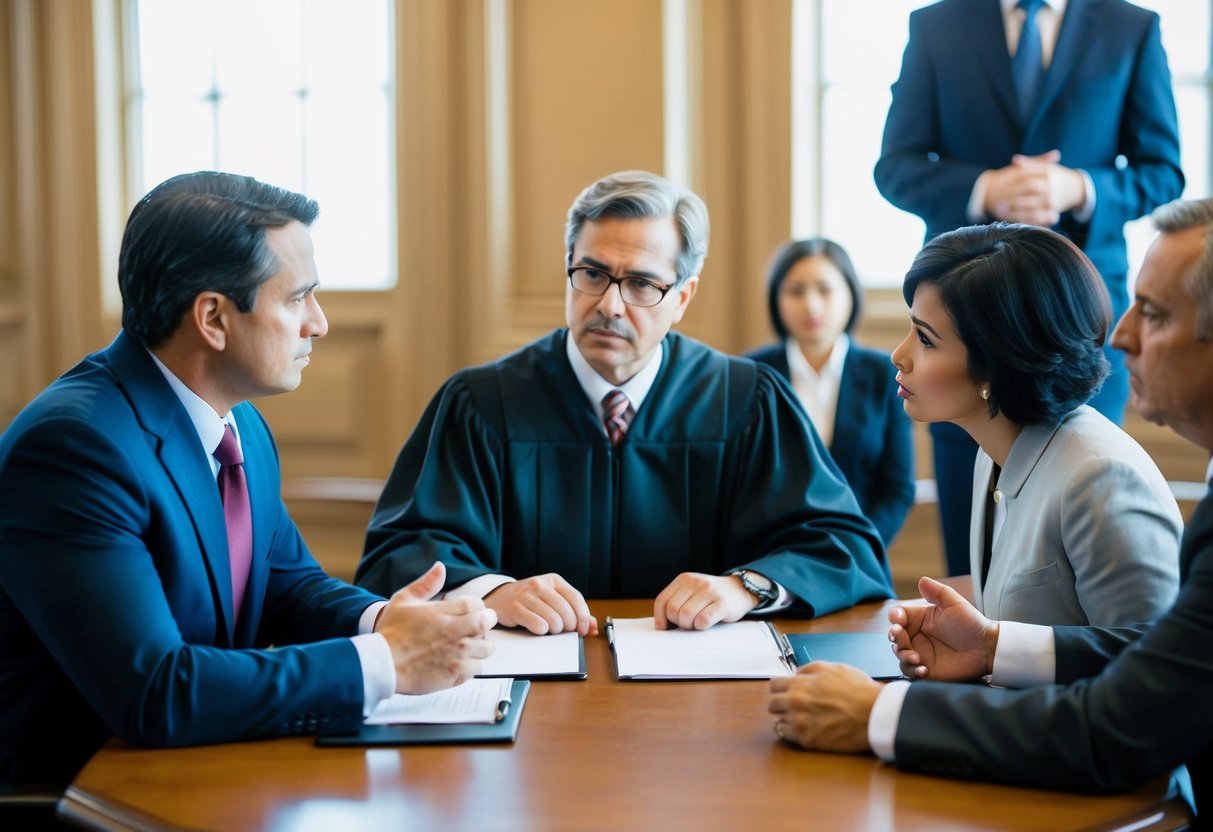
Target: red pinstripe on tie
(237,514)
(614,415)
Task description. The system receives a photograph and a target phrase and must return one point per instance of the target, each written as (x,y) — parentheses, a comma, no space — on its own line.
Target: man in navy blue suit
(122,610)
(1096,708)
(1074,129)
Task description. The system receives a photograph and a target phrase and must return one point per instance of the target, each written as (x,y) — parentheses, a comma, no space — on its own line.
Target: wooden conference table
(597,754)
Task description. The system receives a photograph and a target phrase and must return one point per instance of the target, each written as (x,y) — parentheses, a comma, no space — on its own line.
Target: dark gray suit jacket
(1131,704)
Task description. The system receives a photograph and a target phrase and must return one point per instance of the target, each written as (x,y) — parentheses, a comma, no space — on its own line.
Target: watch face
(752,586)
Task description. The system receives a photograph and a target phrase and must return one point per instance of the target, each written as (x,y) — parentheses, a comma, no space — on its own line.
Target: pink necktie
(614,415)
(237,514)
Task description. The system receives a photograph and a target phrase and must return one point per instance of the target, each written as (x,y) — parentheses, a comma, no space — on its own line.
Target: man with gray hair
(1098,708)
(616,458)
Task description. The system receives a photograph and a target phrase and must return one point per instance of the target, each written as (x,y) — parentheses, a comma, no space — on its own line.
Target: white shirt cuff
(1025,656)
(478,587)
(366,623)
(977,200)
(882,722)
(1083,212)
(378,669)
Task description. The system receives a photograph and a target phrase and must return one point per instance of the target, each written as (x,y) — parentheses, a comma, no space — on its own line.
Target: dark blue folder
(870,652)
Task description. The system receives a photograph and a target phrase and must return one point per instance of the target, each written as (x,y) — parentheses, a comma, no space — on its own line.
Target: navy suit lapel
(1081,19)
(181,454)
(987,36)
(847,417)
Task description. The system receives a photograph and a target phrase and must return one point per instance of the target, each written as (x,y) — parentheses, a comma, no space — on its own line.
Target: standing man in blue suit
(141,583)
(1056,113)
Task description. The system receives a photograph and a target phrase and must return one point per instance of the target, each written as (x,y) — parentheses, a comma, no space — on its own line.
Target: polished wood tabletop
(598,754)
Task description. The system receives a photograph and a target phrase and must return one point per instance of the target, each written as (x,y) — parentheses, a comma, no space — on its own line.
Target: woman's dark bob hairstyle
(797,250)
(1030,309)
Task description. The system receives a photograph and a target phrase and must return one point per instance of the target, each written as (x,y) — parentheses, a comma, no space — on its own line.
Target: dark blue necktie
(1027,67)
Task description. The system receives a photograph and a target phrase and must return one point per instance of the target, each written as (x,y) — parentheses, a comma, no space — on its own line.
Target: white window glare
(847,54)
(297,93)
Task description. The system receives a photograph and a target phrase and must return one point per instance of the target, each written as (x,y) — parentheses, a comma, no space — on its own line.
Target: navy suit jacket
(1106,95)
(872,444)
(115,589)
(1135,703)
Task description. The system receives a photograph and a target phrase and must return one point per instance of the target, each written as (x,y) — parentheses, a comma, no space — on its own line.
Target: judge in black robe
(510,471)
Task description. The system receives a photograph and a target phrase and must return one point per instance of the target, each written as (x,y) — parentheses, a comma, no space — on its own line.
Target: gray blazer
(1091,534)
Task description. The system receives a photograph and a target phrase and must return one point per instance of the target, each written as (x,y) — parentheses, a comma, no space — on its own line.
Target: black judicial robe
(509,471)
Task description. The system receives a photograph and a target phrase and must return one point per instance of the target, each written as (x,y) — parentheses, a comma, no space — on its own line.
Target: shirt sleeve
(479,587)
(976,210)
(1025,656)
(882,722)
(378,669)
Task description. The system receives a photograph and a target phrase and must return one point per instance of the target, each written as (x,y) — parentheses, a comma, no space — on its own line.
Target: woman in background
(849,391)
(1072,521)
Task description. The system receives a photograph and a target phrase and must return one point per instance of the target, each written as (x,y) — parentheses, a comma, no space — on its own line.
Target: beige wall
(507,108)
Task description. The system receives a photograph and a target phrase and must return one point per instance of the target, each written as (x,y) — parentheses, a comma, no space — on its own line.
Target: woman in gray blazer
(1072,521)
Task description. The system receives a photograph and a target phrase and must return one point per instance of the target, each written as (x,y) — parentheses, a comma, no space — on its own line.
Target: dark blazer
(115,590)
(1106,94)
(873,444)
(1131,703)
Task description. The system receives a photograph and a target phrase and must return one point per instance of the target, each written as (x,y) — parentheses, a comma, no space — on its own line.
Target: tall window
(297,93)
(847,54)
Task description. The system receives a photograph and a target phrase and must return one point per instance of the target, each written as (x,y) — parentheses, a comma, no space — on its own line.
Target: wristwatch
(762,588)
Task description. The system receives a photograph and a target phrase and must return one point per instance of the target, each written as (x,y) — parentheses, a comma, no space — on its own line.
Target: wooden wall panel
(505,110)
(745,173)
(329,425)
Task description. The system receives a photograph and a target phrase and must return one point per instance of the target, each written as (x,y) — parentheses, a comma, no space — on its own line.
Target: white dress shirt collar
(818,391)
(596,387)
(207,422)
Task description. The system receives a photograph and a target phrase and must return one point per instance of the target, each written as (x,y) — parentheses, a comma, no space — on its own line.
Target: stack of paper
(520,654)
(477,700)
(741,650)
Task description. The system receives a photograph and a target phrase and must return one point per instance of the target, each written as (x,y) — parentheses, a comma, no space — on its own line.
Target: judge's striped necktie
(614,415)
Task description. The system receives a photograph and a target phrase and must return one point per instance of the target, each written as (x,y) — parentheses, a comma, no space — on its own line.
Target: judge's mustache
(612,325)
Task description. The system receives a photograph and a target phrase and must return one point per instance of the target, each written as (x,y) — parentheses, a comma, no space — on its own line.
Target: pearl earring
(985,393)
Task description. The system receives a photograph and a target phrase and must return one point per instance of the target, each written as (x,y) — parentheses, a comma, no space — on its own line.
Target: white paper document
(519,653)
(477,700)
(741,650)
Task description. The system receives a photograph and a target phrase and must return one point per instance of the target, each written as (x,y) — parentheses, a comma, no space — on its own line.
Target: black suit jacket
(1131,704)
(872,444)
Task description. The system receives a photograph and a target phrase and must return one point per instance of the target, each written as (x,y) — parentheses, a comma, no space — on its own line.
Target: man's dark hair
(200,232)
(1030,309)
(797,250)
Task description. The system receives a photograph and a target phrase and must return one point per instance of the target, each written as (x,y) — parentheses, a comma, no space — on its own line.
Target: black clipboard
(870,652)
(504,730)
(579,674)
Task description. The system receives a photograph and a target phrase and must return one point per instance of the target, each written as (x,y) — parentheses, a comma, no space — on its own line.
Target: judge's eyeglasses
(635,291)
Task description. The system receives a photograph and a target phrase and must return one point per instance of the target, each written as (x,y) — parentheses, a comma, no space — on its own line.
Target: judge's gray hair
(640,195)
(1181,215)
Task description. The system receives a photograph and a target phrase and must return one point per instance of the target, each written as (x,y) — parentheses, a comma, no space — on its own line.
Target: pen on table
(786,654)
(610,632)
